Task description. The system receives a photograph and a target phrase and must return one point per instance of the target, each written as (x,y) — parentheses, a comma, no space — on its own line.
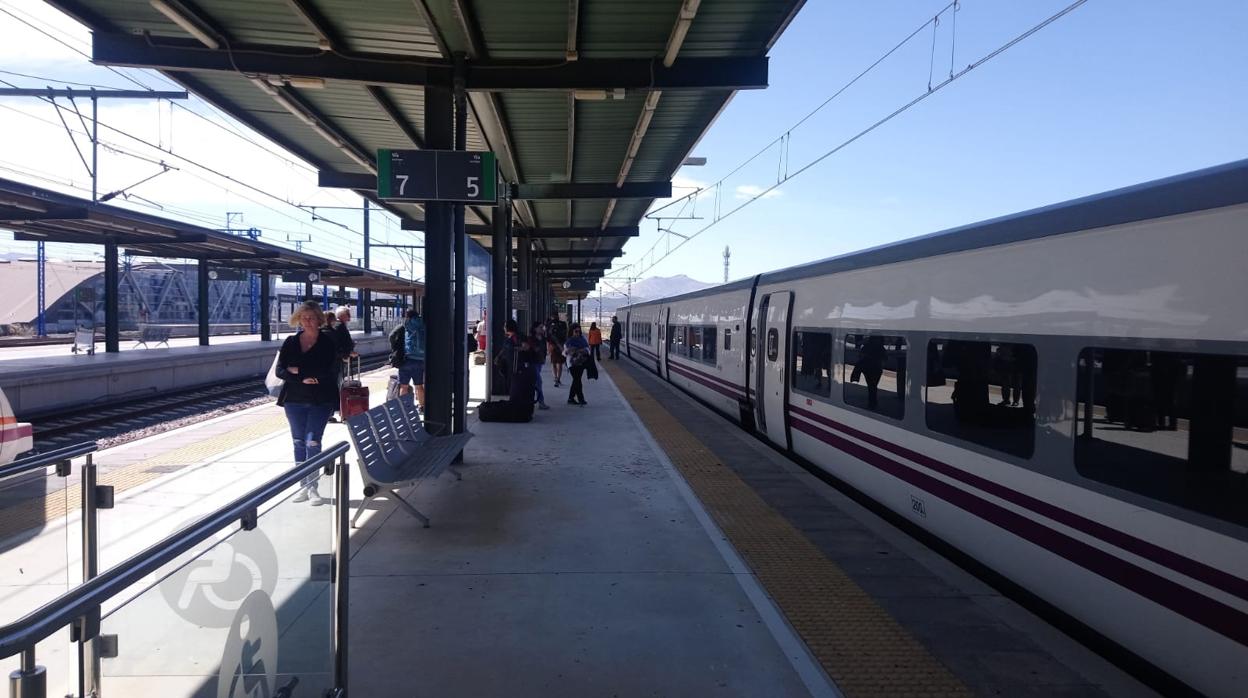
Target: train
(16,438)
(1060,395)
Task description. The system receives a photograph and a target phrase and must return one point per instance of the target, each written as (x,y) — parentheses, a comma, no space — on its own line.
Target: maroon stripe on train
(646,352)
(694,376)
(710,376)
(1212,576)
(1212,614)
(20,431)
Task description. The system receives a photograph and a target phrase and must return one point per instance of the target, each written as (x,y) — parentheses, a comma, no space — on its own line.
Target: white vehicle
(16,437)
(1061,395)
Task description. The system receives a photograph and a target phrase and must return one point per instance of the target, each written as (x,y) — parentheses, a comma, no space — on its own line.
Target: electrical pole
(727,254)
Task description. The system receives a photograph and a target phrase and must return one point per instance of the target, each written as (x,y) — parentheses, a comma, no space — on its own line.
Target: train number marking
(916,505)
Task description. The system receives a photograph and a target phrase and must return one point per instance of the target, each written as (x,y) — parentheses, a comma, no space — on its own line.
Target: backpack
(398,354)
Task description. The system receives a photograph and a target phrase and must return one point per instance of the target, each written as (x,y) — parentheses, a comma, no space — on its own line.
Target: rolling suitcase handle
(353,373)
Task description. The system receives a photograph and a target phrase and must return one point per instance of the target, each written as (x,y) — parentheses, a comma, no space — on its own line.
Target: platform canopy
(590,105)
(40,215)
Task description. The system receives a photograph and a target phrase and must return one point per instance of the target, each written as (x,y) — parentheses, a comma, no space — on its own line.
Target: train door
(665,315)
(628,334)
(771,386)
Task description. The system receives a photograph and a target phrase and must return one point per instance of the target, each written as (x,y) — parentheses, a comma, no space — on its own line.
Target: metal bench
(84,340)
(156,334)
(394,449)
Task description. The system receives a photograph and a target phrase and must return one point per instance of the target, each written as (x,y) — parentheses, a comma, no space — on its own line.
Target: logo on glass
(210,590)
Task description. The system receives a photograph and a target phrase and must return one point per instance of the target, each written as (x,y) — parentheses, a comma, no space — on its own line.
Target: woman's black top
(319,362)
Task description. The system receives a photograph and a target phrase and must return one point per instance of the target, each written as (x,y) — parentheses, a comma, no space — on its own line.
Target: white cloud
(681,184)
(750,191)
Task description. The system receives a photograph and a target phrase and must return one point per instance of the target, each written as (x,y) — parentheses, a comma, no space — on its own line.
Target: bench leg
(360,512)
(411,509)
(455,471)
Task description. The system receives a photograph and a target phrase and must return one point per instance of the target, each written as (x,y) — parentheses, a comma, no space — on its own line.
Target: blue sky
(1115,93)
(1112,94)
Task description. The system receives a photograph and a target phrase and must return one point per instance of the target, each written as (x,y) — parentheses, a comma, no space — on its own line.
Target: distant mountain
(665,286)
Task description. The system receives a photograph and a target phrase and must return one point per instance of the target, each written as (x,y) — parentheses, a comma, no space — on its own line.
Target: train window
(693,343)
(812,362)
(727,339)
(773,344)
(708,345)
(1172,426)
(983,392)
(873,374)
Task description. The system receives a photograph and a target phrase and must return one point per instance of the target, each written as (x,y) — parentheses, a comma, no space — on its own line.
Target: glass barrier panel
(246,614)
(39,548)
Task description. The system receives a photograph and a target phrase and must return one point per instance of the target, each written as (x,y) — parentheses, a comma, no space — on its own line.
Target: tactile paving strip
(33,513)
(860,646)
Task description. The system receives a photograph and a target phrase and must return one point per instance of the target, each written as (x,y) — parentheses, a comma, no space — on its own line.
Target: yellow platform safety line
(35,513)
(860,646)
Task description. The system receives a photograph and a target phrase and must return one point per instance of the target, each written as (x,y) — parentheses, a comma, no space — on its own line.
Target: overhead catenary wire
(634,269)
(225,127)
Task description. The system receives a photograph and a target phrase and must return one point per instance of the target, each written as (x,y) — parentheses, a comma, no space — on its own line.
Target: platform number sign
(437,175)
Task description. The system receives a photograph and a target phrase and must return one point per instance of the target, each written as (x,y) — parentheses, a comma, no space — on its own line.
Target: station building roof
(590,105)
(40,215)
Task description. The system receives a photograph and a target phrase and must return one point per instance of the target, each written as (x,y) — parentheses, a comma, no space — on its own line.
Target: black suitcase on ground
(505,411)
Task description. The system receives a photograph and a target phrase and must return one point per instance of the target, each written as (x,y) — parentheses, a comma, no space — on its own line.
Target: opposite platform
(49,382)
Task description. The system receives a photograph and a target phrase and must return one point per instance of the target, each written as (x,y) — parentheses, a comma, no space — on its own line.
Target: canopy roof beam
(639,74)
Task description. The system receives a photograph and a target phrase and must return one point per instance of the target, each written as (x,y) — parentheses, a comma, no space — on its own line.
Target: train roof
(1213,187)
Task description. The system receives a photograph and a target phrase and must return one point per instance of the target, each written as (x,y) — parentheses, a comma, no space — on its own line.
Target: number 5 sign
(437,175)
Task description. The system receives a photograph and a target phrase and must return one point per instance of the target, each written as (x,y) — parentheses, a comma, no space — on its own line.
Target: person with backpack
(407,342)
(576,349)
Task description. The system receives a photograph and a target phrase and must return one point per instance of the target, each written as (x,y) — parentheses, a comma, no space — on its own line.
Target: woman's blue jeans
(307,426)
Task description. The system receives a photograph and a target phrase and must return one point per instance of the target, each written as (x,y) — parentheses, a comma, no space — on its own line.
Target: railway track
(146,416)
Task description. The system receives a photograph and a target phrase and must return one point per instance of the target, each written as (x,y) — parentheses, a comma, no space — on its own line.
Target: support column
(201,302)
(459,349)
(500,292)
(525,259)
(438,250)
(580,318)
(266,329)
(308,293)
(366,296)
(112,284)
(510,278)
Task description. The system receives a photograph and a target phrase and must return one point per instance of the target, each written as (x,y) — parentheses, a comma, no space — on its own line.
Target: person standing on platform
(595,341)
(537,345)
(615,337)
(576,349)
(307,364)
(555,350)
(413,368)
(505,361)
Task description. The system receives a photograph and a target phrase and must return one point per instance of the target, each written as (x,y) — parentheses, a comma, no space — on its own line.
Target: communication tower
(727,254)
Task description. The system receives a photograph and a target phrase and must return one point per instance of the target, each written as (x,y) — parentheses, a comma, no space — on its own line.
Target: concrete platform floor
(570,560)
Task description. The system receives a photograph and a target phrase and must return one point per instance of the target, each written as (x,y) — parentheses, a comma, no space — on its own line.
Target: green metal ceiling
(539,135)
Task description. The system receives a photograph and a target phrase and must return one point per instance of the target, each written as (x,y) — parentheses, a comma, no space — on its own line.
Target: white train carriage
(1061,394)
(16,437)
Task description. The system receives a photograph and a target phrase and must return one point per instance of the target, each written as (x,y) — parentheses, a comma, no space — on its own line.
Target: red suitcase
(353,396)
